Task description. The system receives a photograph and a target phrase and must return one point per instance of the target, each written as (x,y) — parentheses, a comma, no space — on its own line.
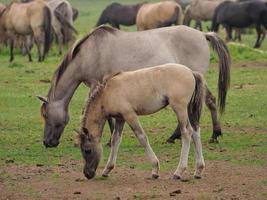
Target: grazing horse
(156,15)
(117,14)
(241,15)
(23,19)
(124,97)
(200,10)
(107,51)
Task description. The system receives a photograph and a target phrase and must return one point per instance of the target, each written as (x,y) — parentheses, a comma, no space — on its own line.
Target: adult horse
(122,98)
(241,15)
(62,21)
(200,10)
(107,50)
(34,19)
(156,15)
(117,14)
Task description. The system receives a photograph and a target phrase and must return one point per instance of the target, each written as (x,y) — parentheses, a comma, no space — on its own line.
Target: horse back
(160,85)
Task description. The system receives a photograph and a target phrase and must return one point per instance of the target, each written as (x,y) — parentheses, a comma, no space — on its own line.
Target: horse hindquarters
(42,34)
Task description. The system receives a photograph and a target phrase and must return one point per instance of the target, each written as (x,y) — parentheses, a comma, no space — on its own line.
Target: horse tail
(47,30)
(179,13)
(224,67)
(187,19)
(195,105)
(67,28)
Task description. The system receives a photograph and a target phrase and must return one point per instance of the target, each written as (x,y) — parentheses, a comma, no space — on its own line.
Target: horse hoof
(176,177)
(170,141)
(105,175)
(213,140)
(155,176)
(197,176)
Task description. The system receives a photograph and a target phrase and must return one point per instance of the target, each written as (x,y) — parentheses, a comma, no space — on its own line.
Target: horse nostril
(89,174)
(88,151)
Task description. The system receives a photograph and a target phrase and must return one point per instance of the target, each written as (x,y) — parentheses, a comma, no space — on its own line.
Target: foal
(143,92)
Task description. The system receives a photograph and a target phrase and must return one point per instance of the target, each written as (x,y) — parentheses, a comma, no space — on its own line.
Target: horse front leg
(11,43)
(258,29)
(210,101)
(228,33)
(200,164)
(111,128)
(132,119)
(115,142)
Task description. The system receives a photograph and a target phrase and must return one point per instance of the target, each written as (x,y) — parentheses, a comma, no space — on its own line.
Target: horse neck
(63,90)
(94,118)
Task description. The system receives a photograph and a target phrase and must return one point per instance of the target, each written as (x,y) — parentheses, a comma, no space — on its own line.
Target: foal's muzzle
(50,143)
(89,174)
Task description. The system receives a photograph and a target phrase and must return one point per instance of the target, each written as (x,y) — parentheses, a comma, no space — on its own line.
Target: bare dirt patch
(222,180)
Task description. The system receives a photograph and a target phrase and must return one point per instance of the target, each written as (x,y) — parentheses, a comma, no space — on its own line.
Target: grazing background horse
(117,14)
(34,19)
(156,15)
(199,10)
(122,98)
(107,51)
(241,15)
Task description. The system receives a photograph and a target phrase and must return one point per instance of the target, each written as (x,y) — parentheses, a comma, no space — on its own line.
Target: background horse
(107,51)
(122,98)
(156,15)
(200,10)
(34,19)
(241,15)
(117,14)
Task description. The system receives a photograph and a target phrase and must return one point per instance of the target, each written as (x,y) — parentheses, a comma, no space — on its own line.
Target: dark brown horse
(117,14)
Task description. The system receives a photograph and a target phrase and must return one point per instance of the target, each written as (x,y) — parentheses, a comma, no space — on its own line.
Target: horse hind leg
(39,41)
(132,119)
(186,133)
(200,164)
(210,101)
(115,142)
(258,29)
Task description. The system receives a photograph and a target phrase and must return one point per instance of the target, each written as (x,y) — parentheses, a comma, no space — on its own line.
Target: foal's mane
(93,97)
(98,32)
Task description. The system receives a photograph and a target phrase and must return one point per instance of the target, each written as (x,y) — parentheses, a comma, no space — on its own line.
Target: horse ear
(43,99)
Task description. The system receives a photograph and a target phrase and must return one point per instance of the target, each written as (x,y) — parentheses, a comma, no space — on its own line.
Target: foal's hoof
(213,140)
(170,141)
(197,176)
(155,176)
(176,177)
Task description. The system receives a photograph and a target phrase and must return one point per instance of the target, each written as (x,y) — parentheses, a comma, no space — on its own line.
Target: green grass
(21,127)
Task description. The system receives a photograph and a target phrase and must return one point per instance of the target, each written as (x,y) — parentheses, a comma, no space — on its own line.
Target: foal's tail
(224,67)
(47,30)
(195,106)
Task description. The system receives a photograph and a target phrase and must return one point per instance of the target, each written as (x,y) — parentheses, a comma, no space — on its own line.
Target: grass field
(243,146)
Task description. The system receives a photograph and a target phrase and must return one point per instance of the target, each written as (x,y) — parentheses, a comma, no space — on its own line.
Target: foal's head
(91,149)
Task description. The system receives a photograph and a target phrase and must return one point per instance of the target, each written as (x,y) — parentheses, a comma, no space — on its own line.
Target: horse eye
(88,151)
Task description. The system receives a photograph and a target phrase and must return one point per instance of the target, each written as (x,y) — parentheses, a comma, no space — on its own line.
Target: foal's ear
(43,99)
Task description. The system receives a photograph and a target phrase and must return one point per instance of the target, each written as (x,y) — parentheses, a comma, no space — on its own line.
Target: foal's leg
(115,142)
(200,164)
(186,132)
(210,101)
(133,122)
